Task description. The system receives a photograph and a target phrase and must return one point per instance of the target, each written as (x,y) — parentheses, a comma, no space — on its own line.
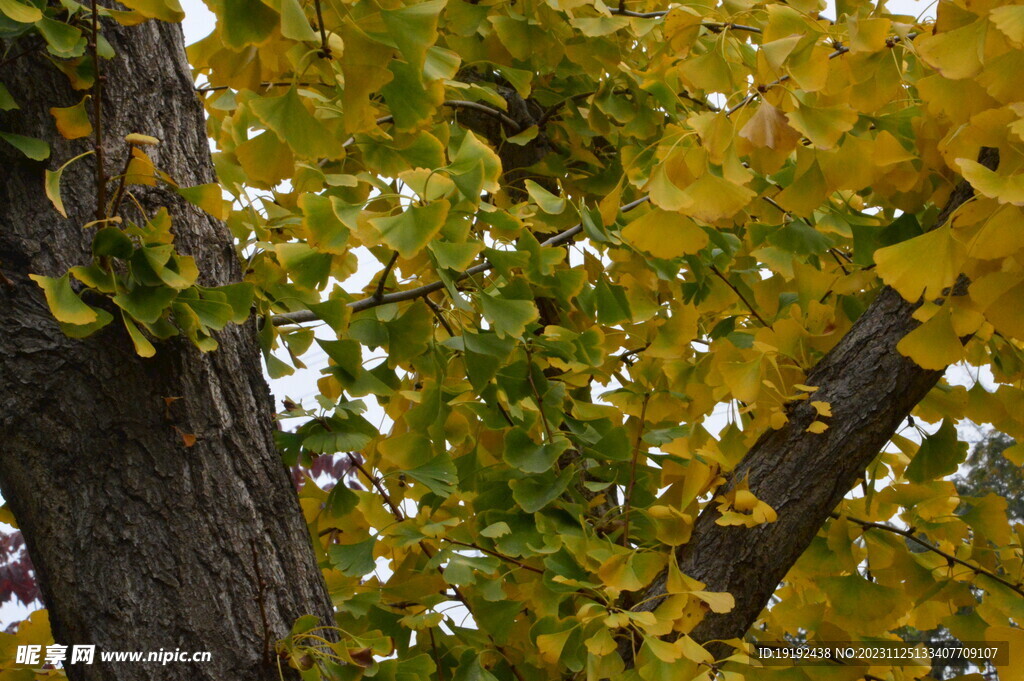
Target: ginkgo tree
(592,226)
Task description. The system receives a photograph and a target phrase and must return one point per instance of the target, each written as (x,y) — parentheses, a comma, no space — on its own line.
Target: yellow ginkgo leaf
(718,601)
(140,140)
(1000,236)
(663,650)
(742,507)
(1015,454)
(1001,76)
(1005,312)
(1003,188)
(665,234)
(933,345)
(550,645)
(956,54)
(768,127)
(671,526)
(926,264)
(743,379)
(823,126)
(713,198)
(869,35)
(682,26)
(887,150)
(817,427)
(804,195)
(1010,20)
(72,121)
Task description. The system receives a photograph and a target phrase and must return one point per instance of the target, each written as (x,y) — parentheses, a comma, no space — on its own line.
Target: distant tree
(988,471)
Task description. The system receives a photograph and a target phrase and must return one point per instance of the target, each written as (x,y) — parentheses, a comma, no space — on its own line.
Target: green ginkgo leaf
(288,117)
(414,29)
(19,11)
(64,303)
(411,230)
(35,149)
(51,183)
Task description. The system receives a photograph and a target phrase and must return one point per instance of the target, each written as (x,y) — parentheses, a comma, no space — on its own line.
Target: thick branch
(871,388)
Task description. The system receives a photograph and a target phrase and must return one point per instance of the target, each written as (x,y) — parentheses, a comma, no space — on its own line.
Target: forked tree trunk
(140,542)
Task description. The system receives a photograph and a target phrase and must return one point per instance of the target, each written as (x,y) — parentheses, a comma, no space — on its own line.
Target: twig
(536,394)
(774,204)
(483,108)
(742,297)
(713,25)
(119,193)
(382,281)
(632,471)
(97,110)
(217,88)
(839,262)
(624,357)
(437,656)
(261,586)
(440,317)
(375,481)
(841,50)
(325,49)
(559,239)
(496,554)
(950,558)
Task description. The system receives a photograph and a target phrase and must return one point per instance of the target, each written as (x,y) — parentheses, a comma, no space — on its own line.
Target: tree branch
(950,558)
(505,119)
(559,239)
(712,25)
(839,51)
(382,281)
(753,310)
(325,49)
(627,506)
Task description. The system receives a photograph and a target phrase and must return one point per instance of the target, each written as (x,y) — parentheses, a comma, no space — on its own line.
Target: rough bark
(803,476)
(140,543)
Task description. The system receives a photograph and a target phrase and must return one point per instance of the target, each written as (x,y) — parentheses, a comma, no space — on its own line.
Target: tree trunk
(139,541)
